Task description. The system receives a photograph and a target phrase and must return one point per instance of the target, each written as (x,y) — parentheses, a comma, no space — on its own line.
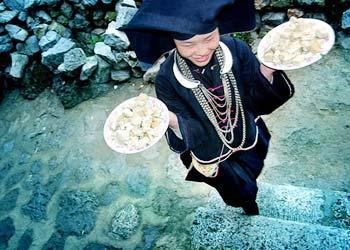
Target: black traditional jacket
(258,95)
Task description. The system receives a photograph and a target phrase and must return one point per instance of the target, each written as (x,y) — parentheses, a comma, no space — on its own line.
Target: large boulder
(77,213)
(73,59)
(49,40)
(30,47)
(19,5)
(16,32)
(345,20)
(125,223)
(7,15)
(115,38)
(55,55)
(18,64)
(125,13)
(88,68)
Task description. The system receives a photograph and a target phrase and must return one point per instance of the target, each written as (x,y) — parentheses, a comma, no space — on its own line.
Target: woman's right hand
(173,122)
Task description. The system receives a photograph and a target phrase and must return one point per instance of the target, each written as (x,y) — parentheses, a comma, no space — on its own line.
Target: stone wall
(75,48)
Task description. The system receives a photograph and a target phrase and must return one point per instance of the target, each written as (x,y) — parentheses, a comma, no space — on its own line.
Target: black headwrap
(157,22)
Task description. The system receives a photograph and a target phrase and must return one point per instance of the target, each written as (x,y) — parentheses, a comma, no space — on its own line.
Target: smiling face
(200,48)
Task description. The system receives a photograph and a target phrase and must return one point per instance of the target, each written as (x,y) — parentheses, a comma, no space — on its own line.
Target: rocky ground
(62,187)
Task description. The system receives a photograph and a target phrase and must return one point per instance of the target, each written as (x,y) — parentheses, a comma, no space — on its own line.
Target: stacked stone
(274,12)
(72,46)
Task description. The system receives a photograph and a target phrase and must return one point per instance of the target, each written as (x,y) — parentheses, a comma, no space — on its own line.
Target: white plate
(326,47)
(125,149)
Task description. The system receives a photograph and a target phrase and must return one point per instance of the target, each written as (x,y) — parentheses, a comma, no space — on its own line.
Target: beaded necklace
(211,107)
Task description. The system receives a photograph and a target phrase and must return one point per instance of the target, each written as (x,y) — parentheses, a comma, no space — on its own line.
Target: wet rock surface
(60,180)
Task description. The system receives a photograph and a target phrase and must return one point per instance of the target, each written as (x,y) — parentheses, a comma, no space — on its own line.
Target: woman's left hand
(267,72)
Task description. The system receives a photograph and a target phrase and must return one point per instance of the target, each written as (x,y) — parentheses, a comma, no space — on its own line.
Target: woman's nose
(202,50)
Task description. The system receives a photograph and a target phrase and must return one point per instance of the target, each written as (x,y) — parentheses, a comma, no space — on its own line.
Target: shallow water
(69,181)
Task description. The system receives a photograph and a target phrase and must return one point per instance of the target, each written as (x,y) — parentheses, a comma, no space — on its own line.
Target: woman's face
(200,48)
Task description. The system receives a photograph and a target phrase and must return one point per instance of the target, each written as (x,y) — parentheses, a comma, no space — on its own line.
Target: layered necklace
(218,109)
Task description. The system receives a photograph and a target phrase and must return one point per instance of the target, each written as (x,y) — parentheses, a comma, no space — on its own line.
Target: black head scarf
(157,22)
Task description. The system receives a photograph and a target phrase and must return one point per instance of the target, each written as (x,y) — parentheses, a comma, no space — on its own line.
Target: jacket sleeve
(263,97)
(192,130)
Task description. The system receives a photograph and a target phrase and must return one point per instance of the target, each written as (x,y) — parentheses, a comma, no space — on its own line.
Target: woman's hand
(267,72)
(173,123)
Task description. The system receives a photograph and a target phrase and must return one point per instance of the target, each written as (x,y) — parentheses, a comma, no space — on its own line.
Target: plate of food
(296,44)
(136,124)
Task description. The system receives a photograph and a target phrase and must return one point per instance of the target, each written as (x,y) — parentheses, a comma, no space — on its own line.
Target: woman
(214,88)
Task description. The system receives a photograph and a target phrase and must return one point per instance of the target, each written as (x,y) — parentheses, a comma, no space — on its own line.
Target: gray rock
(55,55)
(274,18)
(18,64)
(48,2)
(30,47)
(7,230)
(124,15)
(5,169)
(49,40)
(7,15)
(344,40)
(260,4)
(73,59)
(67,10)
(98,15)
(115,38)
(2,6)
(82,164)
(22,16)
(320,16)
(16,32)
(8,202)
(311,2)
(6,47)
(79,22)
(36,207)
(42,15)
(62,20)
(2,29)
(13,179)
(89,2)
(109,194)
(56,242)
(150,235)
(131,59)
(77,213)
(26,240)
(120,75)
(151,73)
(164,201)
(102,73)
(345,20)
(120,57)
(107,1)
(31,22)
(105,52)
(53,163)
(36,167)
(5,44)
(129,3)
(281,3)
(8,146)
(19,5)
(125,223)
(225,229)
(31,182)
(40,30)
(60,29)
(88,68)
(138,181)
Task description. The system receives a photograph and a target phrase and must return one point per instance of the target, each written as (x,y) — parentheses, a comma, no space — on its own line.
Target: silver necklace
(210,106)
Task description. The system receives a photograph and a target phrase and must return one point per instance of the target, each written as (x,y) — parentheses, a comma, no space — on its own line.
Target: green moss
(110,16)
(245,36)
(95,39)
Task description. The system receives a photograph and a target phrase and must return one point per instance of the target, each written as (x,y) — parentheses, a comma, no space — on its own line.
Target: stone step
(328,208)
(224,229)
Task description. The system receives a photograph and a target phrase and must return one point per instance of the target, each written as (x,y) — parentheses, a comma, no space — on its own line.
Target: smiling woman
(215,90)
(199,49)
